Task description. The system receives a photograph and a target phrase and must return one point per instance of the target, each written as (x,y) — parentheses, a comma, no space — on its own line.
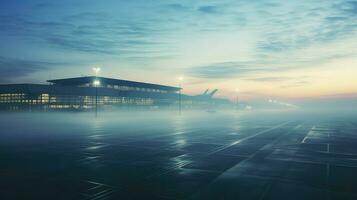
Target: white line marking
(307,135)
(248,137)
(328,148)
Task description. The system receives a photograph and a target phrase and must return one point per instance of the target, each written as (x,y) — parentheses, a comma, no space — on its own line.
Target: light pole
(237,92)
(180,79)
(96,83)
(96,71)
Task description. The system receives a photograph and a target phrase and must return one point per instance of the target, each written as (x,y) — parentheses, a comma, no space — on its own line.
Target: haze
(288,50)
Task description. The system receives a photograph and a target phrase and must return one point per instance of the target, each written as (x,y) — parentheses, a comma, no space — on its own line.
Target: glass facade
(80,93)
(127,88)
(17,100)
(12,98)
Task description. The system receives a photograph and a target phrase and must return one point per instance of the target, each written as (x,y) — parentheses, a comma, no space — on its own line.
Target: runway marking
(248,137)
(311,162)
(328,181)
(241,164)
(268,145)
(104,193)
(328,148)
(224,147)
(267,189)
(307,135)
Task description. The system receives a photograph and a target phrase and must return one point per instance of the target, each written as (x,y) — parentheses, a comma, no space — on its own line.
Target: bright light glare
(96,70)
(237,90)
(96,82)
(180,78)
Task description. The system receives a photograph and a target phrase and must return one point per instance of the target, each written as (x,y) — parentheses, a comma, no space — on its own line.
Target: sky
(290,50)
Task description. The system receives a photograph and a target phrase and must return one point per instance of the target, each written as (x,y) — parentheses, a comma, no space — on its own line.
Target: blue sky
(282,49)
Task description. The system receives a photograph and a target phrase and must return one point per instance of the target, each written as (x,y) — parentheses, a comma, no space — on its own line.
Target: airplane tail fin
(205,92)
(213,92)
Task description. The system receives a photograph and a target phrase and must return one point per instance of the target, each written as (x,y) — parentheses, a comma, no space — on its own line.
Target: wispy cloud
(227,70)
(208,9)
(89,32)
(285,27)
(304,26)
(250,69)
(295,84)
(245,40)
(14,68)
(269,79)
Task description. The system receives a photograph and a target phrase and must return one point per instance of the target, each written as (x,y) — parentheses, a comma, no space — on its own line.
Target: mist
(171,100)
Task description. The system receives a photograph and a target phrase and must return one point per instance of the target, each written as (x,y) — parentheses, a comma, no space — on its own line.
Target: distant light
(282,103)
(96,82)
(96,70)
(237,90)
(180,78)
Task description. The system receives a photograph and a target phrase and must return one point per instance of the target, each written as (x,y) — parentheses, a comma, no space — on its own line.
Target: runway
(163,155)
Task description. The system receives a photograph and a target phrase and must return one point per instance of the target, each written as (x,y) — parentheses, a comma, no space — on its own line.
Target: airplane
(208,94)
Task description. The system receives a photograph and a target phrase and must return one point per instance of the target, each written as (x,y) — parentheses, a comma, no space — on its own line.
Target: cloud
(295,84)
(269,79)
(175,7)
(249,70)
(226,70)
(347,7)
(122,33)
(87,16)
(11,68)
(156,31)
(43,5)
(208,9)
(89,32)
(300,27)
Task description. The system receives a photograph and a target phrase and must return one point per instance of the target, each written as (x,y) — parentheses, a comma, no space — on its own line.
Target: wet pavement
(198,155)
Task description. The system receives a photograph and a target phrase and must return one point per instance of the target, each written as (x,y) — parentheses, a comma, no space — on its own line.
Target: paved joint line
(248,137)
(265,147)
(328,148)
(307,135)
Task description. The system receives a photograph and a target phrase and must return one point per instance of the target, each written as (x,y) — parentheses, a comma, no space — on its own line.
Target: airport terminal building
(83,93)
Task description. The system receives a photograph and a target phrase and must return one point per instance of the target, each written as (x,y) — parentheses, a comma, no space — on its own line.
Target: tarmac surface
(161,155)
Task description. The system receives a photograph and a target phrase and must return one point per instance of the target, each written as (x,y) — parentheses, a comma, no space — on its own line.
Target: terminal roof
(110,81)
